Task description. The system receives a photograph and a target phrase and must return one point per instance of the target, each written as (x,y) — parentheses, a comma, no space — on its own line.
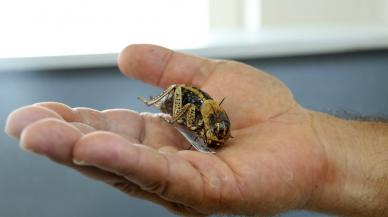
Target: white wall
(225,13)
(321,12)
(297,13)
(385,8)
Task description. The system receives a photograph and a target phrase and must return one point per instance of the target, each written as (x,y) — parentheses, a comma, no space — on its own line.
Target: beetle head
(219,124)
(220,131)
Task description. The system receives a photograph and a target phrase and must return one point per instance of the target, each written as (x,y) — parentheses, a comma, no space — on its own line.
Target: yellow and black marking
(196,110)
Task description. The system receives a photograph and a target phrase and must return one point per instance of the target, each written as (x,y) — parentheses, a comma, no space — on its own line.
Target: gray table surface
(33,186)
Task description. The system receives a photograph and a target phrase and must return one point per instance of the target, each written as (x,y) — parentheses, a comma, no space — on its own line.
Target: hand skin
(282,156)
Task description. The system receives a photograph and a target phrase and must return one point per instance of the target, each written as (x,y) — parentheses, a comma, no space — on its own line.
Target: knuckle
(160,188)
(126,186)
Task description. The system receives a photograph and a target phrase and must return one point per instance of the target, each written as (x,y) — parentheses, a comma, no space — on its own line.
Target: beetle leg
(177,104)
(190,117)
(181,113)
(157,98)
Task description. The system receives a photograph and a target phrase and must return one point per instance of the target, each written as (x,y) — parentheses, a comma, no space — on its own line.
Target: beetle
(196,110)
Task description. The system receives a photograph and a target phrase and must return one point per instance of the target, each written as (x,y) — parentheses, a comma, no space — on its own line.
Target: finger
(56,140)
(66,112)
(162,67)
(120,121)
(51,137)
(145,128)
(135,191)
(165,174)
(87,116)
(131,189)
(84,128)
(24,116)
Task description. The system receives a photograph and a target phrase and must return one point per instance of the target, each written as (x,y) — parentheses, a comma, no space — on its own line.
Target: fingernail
(24,148)
(79,162)
(9,131)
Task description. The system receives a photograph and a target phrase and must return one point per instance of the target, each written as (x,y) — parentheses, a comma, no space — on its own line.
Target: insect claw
(142,99)
(166,120)
(222,101)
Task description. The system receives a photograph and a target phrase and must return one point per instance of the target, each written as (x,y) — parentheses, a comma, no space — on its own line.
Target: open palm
(272,164)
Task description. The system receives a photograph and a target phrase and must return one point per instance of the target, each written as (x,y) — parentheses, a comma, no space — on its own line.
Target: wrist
(355,178)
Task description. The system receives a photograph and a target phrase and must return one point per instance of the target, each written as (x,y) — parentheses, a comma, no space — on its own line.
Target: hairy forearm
(355,180)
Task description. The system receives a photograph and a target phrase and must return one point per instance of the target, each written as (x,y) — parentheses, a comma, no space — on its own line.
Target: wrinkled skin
(274,162)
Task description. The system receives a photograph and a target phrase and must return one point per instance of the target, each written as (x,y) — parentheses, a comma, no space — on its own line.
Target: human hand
(274,162)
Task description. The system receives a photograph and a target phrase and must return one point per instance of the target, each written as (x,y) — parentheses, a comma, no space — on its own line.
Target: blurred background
(332,54)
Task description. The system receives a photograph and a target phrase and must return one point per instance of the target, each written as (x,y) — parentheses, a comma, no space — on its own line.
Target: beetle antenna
(222,101)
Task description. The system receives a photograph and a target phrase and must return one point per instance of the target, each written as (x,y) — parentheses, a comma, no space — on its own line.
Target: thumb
(162,67)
